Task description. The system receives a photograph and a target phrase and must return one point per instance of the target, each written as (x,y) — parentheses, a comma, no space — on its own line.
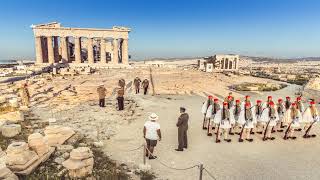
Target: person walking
(120,98)
(182,125)
(137,82)
(145,85)
(152,134)
(24,94)
(102,95)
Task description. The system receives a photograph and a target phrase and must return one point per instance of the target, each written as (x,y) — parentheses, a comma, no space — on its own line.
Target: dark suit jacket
(183,121)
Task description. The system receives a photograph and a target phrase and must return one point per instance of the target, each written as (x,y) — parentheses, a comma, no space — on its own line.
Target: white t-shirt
(151,130)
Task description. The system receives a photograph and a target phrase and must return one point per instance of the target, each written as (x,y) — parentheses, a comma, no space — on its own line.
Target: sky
(174,28)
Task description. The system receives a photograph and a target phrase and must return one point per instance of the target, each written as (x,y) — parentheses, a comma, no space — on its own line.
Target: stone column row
(51,49)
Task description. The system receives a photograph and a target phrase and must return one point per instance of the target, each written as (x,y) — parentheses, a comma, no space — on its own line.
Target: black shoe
(272,138)
(240,140)
(281,130)
(264,139)
(313,135)
(153,157)
(306,136)
(218,141)
(213,128)
(293,137)
(250,140)
(186,147)
(228,140)
(299,129)
(231,133)
(285,138)
(251,132)
(179,149)
(209,134)
(204,128)
(259,132)
(237,133)
(273,131)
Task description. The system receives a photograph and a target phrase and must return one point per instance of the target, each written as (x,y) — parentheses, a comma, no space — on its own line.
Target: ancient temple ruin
(57,44)
(220,62)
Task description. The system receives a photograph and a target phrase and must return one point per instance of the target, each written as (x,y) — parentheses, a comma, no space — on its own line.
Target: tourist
(212,110)
(24,94)
(151,133)
(280,111)
(270,116)
(182,125)
(136,83)
(102,94)
(288,102)
(247,119)
(204,110)
(122,83)
(292,118)
(145,85)
(225,120)
(310,117)
(120,98)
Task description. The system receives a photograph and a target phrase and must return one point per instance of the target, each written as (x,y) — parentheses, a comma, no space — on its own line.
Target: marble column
(56,49)
(77,50)
(39,57)
(64,49)
(103,51)
(90,51)
(124,50)
(50,50)
(115,57)
(44,47)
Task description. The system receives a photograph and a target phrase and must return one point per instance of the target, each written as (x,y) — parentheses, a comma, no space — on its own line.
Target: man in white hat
(152,133)
(102,94)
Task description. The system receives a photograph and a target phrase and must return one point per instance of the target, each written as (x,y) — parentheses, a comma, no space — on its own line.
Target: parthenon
(57,44)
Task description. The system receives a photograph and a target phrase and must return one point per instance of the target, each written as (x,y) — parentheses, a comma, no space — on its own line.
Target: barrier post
(144,154)
(201,171)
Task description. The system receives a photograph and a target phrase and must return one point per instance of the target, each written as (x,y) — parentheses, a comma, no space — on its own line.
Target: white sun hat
(153,116)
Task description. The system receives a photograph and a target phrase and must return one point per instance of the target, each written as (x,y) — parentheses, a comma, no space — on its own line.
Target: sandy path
(258,160)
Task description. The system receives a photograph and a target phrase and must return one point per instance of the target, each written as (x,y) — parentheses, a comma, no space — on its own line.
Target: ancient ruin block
(11,130)
(57,135)
(38,143)
(14,117)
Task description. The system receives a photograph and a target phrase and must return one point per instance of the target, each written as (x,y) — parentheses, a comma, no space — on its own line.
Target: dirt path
(258,160)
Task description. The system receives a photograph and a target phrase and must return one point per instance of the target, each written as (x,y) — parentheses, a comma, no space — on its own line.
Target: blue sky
(168,28)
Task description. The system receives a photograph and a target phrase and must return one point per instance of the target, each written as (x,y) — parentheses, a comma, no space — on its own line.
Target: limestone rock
(7,174)
(3,99)
(11,130)
(14,102)
(81,153)
(14,117)
(38,143)
(57,135)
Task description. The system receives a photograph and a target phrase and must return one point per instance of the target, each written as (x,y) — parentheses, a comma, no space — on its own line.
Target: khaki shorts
(151,142)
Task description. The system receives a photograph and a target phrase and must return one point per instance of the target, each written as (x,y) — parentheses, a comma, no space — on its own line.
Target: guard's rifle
(309,128)
(287,131)
(265,131)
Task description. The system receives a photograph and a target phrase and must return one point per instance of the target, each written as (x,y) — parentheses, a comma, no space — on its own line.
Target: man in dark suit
(182,125)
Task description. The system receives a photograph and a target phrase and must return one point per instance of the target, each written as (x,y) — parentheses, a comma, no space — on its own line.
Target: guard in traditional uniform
(212,111)
(204,110)
(310,117)
(300,105)
(236,113)
(246,118)
(258,109)
(269,99)
(230,100)
(136,83)
(280,110)
(292,117)
(288,102)
(224,119)
(247,100)
(270,116)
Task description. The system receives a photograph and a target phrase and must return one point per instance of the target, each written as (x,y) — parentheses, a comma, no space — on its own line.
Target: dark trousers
(120,103)
(182,138)
(145,90)
(137,90)
(101,102)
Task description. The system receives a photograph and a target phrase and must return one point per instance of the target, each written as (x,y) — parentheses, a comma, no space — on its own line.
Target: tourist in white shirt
(152,133)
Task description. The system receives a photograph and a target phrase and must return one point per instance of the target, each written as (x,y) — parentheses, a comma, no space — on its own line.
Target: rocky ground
(72,101)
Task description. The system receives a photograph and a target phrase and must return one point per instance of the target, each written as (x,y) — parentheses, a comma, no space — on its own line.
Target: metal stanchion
(144,154)
(201,171)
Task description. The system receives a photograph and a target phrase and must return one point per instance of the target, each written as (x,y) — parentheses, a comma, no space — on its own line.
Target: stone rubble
(57,135)
(80,163)
(14,117)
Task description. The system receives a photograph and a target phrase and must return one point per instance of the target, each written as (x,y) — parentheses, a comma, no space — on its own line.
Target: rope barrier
(178,169)
(209,174)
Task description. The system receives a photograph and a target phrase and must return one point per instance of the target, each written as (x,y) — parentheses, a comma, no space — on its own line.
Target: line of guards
(245,118)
